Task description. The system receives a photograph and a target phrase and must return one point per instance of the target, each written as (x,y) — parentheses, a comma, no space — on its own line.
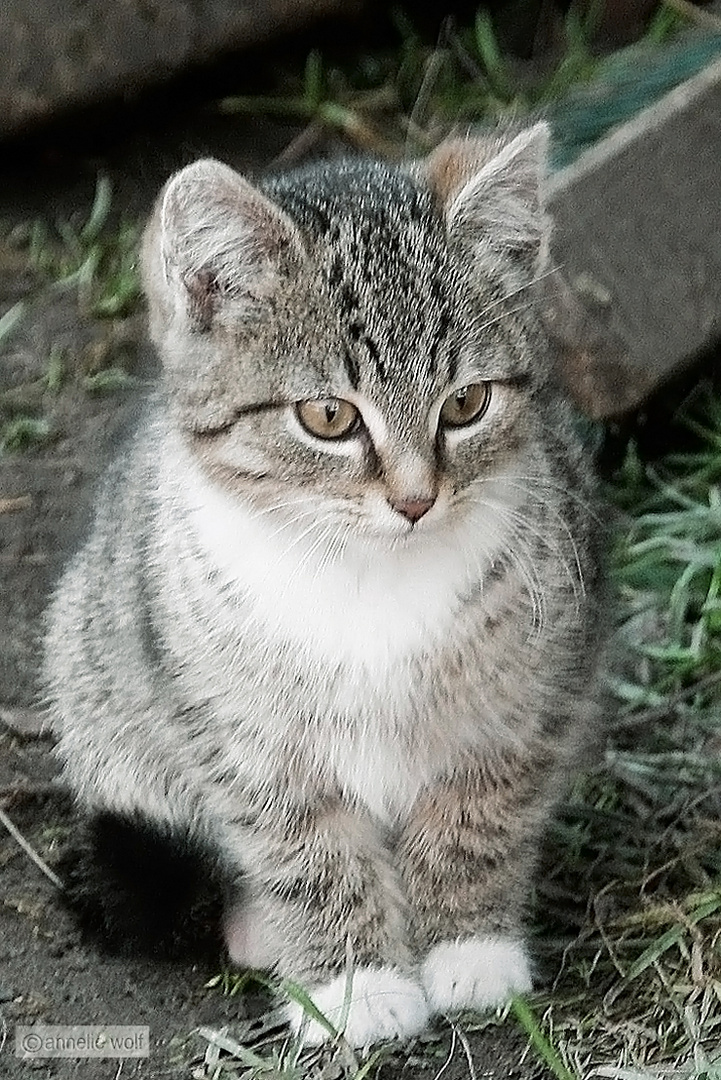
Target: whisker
(333,549)
(326,530)
(521,288)
(560,544)
(504,315)
(516,554)
(563,524)
(555,549)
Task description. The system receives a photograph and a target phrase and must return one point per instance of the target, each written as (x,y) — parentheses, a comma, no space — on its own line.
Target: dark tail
(137,887)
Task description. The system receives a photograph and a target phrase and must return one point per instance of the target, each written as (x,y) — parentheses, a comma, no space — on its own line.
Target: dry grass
(633,887)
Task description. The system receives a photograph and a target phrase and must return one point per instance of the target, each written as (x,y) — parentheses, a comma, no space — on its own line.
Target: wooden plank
(638,241)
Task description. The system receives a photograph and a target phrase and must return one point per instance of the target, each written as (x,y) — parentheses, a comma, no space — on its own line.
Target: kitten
(337,625)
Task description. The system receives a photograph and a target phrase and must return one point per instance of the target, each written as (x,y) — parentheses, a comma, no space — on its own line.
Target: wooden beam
(638,243)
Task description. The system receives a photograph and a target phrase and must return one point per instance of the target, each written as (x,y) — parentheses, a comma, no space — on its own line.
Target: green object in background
(625,83)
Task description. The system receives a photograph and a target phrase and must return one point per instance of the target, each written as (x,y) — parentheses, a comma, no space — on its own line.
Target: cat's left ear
(215,240)
(492,194)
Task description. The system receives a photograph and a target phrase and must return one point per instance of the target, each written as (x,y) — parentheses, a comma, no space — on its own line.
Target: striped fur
(362,720)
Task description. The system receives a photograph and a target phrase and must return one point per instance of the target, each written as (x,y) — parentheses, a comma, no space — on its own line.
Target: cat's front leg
(467,853)
(325,909)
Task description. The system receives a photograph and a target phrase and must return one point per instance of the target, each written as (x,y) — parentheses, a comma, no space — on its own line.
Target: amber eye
(466,405)
(328,418)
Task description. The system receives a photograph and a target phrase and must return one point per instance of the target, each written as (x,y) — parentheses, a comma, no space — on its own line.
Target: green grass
(89,263)
(404,99)
(632,892)
(96,257)
(23,432)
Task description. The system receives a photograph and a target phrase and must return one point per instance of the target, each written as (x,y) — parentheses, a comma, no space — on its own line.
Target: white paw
(383,1005)
(478,973)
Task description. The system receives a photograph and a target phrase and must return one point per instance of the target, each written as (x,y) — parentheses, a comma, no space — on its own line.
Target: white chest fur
(364,608)
(358,619)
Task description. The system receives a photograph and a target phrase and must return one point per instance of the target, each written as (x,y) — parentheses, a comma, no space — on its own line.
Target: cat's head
(356,336)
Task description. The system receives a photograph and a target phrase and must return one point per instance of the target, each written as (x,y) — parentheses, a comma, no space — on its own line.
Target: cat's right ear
(491,190)
(215,239)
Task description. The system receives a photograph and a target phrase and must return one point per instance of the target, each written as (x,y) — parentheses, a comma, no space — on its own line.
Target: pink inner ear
(506,170)
(203,294)
(453,163)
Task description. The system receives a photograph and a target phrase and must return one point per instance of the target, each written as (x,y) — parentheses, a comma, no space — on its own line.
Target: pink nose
(413,509)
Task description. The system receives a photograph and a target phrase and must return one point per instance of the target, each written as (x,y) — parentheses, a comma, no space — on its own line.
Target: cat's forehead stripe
(351,368)
(382,245)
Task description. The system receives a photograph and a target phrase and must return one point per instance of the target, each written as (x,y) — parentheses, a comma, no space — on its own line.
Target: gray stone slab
(58,54)
(638,243)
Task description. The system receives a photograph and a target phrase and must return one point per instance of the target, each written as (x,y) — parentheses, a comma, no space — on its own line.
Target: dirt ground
(47,974)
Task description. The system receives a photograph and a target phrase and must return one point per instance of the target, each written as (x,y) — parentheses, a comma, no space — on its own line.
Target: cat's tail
(137,886)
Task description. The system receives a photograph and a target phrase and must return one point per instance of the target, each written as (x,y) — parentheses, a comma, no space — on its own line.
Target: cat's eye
(465,405)
(328,418)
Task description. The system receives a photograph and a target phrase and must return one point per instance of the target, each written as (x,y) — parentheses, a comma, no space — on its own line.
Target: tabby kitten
(336,627)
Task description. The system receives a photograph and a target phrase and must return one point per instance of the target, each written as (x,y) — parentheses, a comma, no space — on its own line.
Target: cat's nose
(413,509)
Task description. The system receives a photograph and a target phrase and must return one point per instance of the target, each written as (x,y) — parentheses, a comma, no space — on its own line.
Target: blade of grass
(491,56)
(672,937)
(313,81)
(371,1063)
(99,212)
(548,1054)
(231,1046)
(12,317)
(297,994)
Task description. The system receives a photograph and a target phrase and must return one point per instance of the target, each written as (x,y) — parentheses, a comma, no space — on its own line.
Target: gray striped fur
(368,720)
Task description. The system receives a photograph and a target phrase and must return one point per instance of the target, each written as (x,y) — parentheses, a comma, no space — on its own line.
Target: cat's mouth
(398,532)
